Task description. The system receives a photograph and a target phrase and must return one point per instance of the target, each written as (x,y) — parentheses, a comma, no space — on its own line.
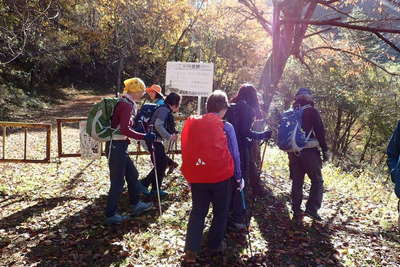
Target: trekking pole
(153,154)
(156,176)
(263,156)
(248,220)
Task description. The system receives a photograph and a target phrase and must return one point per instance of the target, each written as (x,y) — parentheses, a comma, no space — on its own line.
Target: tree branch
(333,22)
(339,11)
(183,33)
(391,44)
(353,54)
(324,2)
(318,32)
(258,15)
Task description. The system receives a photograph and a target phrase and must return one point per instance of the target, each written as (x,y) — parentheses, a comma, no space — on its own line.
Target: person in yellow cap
(121,166)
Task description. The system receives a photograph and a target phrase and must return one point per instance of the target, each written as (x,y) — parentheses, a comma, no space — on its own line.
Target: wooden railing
(137,152)
(25,126)
(47,127)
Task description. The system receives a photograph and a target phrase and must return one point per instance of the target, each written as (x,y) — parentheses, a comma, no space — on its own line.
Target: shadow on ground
(307,244)
(83,240)
(288,243)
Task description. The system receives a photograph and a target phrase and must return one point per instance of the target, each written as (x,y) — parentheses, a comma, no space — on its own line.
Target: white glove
(240,184)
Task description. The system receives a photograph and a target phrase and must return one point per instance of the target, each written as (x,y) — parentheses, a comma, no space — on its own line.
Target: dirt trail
(77,106)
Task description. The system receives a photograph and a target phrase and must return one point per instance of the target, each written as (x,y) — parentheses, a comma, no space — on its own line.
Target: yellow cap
(134,85)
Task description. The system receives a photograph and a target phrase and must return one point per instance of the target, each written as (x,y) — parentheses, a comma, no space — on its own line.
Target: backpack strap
(121,99)
(312,129)
(305,107)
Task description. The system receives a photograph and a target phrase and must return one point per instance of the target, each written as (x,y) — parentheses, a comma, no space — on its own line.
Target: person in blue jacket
(157,97)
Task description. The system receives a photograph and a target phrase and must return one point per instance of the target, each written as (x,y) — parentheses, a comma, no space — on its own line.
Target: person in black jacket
(393,161)
(241,114)
(308,161)
(393,154)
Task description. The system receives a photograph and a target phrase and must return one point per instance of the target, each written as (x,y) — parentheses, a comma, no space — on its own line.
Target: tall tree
(291,22)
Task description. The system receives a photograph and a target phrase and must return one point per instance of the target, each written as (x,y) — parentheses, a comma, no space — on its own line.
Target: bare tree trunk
(337,132)
(366,146)
(286,41)
(119,74)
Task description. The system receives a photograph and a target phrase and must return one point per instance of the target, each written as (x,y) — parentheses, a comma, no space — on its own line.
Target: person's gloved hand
(325,156)
(267,135)
(149,138)
(240,184)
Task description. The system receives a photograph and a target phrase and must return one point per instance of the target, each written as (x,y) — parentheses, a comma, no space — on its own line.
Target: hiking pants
(254,166)
(161,162)
(218,194)
(308,162)
(121,169)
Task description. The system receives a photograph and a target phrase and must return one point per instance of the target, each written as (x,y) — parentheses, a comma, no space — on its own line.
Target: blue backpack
(142,119)
(291,136)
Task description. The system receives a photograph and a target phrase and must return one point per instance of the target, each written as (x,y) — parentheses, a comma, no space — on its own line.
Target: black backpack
(232,115)
(143,118)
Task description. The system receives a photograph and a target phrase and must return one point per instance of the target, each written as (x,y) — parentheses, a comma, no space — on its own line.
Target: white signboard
(190,78)
(90,148)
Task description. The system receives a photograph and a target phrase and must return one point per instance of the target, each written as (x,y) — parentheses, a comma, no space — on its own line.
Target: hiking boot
(142,189)
(298,217)
(172,167)
(116,219)
(222,247)
(314,215)
(258,192)
(154,193)
(190,257)
(141,207)
(237,227)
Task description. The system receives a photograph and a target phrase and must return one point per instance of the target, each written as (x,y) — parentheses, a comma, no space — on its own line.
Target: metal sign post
(198,105)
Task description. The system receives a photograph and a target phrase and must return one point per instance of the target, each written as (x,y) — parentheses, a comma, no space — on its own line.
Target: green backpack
(98,124)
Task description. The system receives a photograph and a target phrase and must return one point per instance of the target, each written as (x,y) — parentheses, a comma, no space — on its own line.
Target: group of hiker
(220,156)
(218,159)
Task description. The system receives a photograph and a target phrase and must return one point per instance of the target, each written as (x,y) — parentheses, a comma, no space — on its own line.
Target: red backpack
(205,153)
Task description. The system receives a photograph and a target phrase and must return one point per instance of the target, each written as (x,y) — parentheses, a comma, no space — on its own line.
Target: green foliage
(357,100)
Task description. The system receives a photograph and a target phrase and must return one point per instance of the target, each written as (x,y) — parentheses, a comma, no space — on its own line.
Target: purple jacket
(233,148)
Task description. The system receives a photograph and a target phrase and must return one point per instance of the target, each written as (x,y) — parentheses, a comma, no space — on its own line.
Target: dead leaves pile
(52,214)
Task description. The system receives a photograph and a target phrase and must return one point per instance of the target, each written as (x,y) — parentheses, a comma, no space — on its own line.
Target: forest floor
(52,214)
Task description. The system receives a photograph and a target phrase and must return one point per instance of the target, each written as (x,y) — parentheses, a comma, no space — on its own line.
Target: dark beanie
(304,91)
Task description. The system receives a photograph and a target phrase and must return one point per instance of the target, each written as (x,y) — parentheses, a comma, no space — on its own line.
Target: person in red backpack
(211,165)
